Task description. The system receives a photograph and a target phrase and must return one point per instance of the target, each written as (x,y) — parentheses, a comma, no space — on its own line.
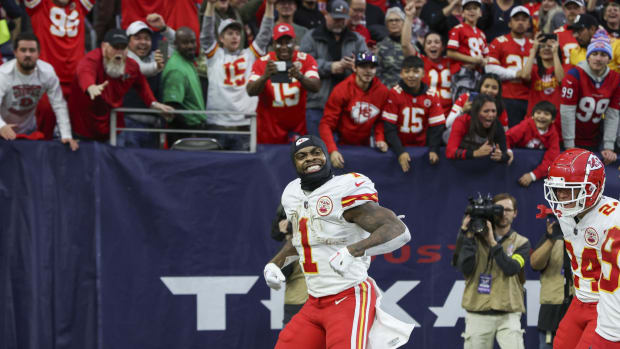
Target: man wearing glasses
(281,80)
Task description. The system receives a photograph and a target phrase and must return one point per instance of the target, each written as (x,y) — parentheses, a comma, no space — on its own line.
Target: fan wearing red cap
(281,80)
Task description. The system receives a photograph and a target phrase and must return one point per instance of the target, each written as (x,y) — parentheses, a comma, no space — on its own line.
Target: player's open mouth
(313,169)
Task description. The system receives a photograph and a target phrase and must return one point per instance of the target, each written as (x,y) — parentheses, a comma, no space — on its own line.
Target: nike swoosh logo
(360,183)
(340,300)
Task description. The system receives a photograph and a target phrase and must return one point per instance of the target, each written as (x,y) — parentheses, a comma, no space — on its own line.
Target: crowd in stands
(478,76)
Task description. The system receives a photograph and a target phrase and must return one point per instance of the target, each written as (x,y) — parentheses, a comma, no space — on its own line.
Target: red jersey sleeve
(258,69)
(495,54)
(309,66)
(515,134)
(552,151)
(459,130)
(391,109)
(87,73)
(435,116)
(570,85)
(454,39)
(331,115)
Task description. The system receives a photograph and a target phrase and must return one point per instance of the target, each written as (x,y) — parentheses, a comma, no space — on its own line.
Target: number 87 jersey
(584,102)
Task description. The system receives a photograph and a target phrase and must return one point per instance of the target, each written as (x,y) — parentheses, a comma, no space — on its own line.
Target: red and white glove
(273,276)
(341,260)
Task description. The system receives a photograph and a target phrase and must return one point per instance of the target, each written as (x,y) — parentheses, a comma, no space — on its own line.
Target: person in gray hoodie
(334,47)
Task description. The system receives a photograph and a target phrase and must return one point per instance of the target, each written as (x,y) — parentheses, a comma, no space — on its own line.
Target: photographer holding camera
(491,255)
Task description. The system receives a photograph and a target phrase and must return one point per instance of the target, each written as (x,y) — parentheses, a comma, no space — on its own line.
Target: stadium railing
(162,131)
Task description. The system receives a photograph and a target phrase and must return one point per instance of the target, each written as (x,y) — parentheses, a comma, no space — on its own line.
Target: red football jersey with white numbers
(567,43)
(467,40)
(413,114)
(437,77)
(507,53)
(61,33)
(282,105)
(591,100)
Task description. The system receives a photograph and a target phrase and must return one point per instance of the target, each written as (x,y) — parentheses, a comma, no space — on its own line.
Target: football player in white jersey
(590,222)
(337,226)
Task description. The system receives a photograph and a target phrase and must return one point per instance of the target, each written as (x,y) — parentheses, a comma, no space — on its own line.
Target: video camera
(481,210)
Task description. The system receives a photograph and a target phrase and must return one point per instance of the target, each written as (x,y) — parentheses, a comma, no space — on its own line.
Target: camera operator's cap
(583,21)
(116,37)
(136,27)
(283,29)
(581,3)
(228,22)
(366,57)
(519,9)
(465,2)
(339,9)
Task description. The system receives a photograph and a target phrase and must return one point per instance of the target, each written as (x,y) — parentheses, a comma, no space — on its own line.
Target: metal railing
(161,131)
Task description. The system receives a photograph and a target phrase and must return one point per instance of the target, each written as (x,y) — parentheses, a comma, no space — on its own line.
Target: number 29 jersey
(320,230)
(593,245)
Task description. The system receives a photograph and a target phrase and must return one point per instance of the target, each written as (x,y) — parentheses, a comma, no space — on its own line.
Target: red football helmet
(582,172)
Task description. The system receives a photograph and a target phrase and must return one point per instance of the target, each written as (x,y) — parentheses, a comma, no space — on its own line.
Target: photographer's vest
(552,278)
(506,291)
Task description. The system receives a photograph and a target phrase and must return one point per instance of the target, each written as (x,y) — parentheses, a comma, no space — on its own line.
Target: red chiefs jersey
(437,77)
(526,135)
(567,42)
(507,53)
(177,13)
(467,40)
(591,100)
(282,106)
(353,112)
(61,33)
(413,114)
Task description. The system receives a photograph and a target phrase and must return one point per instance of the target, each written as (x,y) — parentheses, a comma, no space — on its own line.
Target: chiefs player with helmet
(589,222)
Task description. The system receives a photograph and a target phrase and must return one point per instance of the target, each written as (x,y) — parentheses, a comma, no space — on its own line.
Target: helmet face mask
(579,171)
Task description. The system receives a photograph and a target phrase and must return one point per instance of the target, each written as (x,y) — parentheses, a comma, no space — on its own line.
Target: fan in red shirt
(177,13)
(354,109)
(60,26)
(437,70)
(282,90)
(543,69)
(413,114)
(507,56)
(566,39)
(536,132)
(103,77)
(589,91)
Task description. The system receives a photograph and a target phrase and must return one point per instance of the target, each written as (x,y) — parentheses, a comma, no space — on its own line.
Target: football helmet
(582,172)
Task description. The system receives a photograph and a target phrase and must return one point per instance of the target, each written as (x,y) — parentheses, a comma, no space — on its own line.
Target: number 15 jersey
(593,245)
(320,230)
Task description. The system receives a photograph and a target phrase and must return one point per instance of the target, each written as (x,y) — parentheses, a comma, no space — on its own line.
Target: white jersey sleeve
(319,229)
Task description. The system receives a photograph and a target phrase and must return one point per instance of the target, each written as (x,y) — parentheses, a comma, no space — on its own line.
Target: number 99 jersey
(593,245)
(591,98)
(320,230)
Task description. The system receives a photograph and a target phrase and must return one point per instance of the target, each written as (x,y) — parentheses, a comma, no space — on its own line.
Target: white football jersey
(593,245)
(320,230)
(228,75)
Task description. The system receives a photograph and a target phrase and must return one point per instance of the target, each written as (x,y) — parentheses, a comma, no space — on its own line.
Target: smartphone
(282,75)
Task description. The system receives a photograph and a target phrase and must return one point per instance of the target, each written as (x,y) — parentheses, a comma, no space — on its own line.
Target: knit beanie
(599,42)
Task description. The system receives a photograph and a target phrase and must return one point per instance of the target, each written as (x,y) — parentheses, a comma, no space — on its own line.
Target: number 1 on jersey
(308,265)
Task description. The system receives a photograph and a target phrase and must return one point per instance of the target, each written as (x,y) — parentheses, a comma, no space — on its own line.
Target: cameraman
(493,261)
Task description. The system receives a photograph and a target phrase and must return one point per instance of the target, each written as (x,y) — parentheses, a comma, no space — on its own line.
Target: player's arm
(272,272)
(287,250)
(387,232)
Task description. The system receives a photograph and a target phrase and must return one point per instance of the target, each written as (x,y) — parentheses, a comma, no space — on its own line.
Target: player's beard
(115,68)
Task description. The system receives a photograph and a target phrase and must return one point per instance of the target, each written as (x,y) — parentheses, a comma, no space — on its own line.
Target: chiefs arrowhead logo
(301,140)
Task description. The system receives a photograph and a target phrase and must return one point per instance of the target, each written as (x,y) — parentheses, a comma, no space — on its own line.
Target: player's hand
(7,132)
(95,91)
(525,180)
(337,159)
(550,225)
(496,154)
(341,260)
(273,276)
(608,156)
(73,144)
(382,146)
(484,150)
(270,69)
(404,159)
(156,21)
(159,59)
(433,158)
